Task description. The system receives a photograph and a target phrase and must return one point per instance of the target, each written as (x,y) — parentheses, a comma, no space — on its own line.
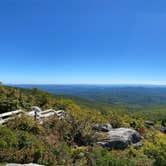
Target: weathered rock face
(149,124)
(120,138)
(104,127)
(31,164)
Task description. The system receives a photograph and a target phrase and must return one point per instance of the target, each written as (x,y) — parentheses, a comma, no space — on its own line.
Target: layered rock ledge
(120,138)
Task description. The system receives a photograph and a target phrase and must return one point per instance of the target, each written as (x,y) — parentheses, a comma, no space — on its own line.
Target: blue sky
(83,41)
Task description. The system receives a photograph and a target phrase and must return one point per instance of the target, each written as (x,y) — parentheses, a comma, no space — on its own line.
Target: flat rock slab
(120,138)
(31,164)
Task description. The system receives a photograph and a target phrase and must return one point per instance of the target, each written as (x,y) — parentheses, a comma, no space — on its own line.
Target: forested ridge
(132,98)
(72,141)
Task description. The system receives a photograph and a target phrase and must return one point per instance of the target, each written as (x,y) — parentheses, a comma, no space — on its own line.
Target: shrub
(156,152)
(19,146)
(7,138)
(25,123)
(31,148)
(103,157)
(63,154)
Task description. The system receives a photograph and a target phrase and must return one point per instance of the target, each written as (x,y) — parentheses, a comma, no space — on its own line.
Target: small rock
(163,129)
(138,145)
(103,127)
(149,124)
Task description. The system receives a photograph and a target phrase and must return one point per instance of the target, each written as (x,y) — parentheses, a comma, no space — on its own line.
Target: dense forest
(72,140)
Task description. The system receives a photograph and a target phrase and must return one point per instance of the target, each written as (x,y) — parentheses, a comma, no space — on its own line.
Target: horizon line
(107,84)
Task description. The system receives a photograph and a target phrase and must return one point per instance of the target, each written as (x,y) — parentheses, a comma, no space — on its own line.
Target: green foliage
(163,122)
(31,147)
(99,97)
(15,98)
(63,154)
(19,146)
(7,138)
(136,124)
(71,141)
(156,149)
(154,114)
(115,120)
(25,123)
(102,157)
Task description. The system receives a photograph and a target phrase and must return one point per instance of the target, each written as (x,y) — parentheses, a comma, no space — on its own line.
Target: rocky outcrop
(103,127)
(149,124)
(120,138)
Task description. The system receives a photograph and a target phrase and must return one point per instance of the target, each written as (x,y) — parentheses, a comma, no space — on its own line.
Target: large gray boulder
(120,138)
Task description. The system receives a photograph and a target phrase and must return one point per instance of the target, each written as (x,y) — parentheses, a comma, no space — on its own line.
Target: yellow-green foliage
(19,146)
(25,123)
(155,148)
(71,141)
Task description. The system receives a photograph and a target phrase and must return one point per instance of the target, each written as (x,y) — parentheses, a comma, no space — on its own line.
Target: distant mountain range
(131,97)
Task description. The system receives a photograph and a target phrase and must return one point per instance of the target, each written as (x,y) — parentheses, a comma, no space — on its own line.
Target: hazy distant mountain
(133,97)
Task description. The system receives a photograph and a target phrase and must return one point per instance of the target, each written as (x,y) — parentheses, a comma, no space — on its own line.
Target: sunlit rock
(120,138)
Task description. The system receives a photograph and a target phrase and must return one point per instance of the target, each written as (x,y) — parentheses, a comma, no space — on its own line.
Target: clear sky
(83,41)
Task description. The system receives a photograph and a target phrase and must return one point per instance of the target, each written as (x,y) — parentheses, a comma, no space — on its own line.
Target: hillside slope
(132,98)
(72,140)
